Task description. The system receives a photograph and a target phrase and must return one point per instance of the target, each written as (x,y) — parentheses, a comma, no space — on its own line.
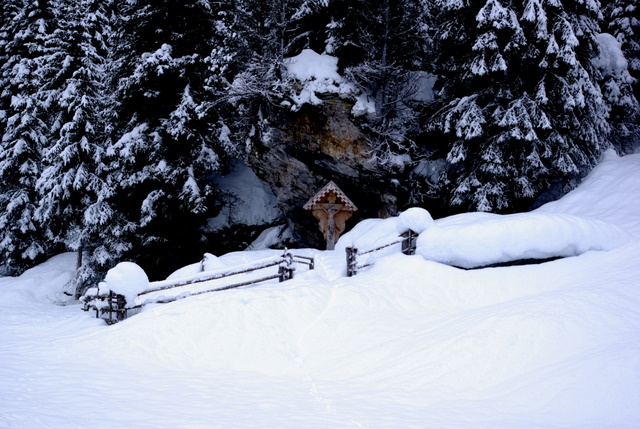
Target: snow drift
(477,239)
(406,343)
(472,240)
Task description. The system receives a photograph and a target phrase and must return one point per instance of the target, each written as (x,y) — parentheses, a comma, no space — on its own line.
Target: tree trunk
(79,258)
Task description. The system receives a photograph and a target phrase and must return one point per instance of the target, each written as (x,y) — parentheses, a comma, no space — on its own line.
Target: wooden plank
(188,294)
(380,248)
(215,276)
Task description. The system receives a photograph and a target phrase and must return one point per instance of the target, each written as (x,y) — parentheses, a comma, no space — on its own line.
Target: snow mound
(473,240)
(611,60)
(318,75)
(369,234)
(477,239)
(416,219)
(209,262)
(126,278)
(309,65)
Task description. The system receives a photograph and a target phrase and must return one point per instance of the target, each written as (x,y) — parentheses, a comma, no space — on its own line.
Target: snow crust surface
(406,343)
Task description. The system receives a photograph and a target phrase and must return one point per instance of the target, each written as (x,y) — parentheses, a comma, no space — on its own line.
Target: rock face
(304,150)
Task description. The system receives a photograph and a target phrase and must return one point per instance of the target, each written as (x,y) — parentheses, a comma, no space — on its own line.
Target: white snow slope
(407,343)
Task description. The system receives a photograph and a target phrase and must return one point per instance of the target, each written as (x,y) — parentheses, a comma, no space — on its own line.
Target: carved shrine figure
(332,208)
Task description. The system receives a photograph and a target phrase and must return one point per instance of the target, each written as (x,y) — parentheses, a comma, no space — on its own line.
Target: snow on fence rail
(408,247)
(113,307)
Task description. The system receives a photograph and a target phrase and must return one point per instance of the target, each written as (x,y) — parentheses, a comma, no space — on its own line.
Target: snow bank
(186,271)
(476,239)
(369,234)
(251,201)
(271,237)
(408,343)
(610,193)
(126,279)
(46,283)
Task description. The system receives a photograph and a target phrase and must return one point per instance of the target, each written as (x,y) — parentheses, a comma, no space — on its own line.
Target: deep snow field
(407,343)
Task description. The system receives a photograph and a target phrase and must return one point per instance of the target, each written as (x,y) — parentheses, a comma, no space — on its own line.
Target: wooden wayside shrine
(332,208)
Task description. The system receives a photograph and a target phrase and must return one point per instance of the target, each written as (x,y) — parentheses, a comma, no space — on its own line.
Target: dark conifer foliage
(73,205)
(169,135)
(25,113)
(622,88)
(519,106)
(622,20)
(268,32)
(382,47)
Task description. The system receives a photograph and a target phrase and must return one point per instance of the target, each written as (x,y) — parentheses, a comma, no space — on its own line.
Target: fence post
(285,271)
(409,242)
(116,307)
(352,254)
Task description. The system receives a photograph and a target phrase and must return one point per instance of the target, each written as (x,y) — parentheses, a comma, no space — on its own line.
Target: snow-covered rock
(251,201)
(318,75)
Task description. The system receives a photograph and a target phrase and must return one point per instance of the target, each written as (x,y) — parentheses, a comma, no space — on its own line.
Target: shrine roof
(331,186)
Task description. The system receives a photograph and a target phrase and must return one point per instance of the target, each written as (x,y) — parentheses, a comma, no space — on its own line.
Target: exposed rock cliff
(305,149)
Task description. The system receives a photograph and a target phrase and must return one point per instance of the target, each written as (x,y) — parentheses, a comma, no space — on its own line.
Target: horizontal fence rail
(408,247)
(205,277)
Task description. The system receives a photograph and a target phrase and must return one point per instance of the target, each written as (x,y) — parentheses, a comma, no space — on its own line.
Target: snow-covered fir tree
(622,19)
(170,126)
(268,32)
(382,48)
(519,107)
(24,128)
(621,73)
(73,192)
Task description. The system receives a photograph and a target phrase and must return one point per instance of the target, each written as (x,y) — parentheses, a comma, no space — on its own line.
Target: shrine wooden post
(332,208)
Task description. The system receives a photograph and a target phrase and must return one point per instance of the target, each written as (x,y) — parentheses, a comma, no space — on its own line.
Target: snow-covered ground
(407,343)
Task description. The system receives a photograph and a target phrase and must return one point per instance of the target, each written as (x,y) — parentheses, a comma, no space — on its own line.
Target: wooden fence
(407,241)
(113,308)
